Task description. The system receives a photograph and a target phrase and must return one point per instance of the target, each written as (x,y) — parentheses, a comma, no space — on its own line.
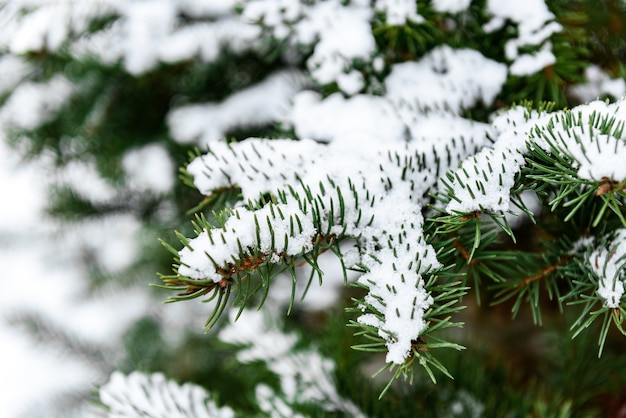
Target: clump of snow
(398,12)
(12,70)
(407,168)
(597,152)
(451,6)
(535,26)
(531,63)
(484,181)
(149,168)
(609,265)
(36,25)
(33,104)
(140,394)
(24,185)
(338,33)
(343,34)
(363,118)
(276,230)
(446,80)
(111,242)
(83,178)
(260,104)
(598,84)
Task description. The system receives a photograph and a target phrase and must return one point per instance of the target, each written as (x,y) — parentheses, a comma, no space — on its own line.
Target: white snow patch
(445,79)
(149,168)
(610,266)
(260,104)
(451,6)
(33,104)
(534,24)
(398,12)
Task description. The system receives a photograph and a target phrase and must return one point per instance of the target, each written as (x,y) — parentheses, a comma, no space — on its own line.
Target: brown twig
(544,272)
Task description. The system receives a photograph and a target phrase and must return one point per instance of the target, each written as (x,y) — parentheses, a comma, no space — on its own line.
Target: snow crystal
(149,169)
(260,104)
(609,265)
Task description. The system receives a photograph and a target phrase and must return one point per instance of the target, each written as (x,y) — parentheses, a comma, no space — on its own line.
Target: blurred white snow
(41,273)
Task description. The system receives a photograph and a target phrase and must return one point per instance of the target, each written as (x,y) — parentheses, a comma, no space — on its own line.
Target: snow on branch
(305,375)
(37,25)
(373,195)
(155,396)
(32,104)
(364,182)
(399,12)
(258,105)
(609,265)
(589,140)
(274,231)
(535,25)
(445,79)
(142,35)
(338,32)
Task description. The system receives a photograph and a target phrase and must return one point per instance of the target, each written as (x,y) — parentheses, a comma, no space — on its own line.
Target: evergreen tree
(417,171)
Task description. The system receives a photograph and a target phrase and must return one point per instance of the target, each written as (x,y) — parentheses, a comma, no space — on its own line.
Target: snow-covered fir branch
(390,147)
(154,396)
(305,375)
